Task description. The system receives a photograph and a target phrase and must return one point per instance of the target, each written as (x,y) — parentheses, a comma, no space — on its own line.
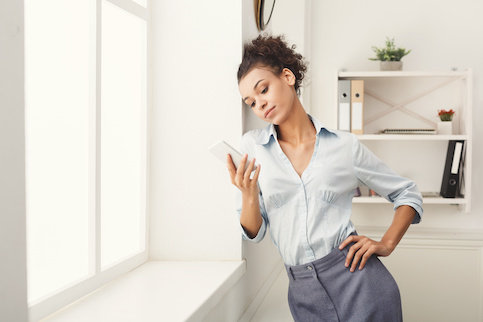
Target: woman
(304,194)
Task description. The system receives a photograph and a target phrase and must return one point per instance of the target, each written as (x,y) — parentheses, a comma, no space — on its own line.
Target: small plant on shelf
(445,126)
(390,52)
(446,116)
(390,56)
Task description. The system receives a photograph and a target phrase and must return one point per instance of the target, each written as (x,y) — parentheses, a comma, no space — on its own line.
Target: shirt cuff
(260,234)
(415,206)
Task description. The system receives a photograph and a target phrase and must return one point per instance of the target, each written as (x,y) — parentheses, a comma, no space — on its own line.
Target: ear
(288,76)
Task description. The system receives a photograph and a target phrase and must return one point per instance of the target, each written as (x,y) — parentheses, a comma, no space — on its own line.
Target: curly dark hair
(274,53)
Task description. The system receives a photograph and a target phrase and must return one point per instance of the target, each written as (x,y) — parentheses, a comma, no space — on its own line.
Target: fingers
(257,172)
(241,177)
(362,255)
(360,252)
(249,170)
(241,168)
(348,240)
(239,182)
(351,256)
(365,258)
(231,168)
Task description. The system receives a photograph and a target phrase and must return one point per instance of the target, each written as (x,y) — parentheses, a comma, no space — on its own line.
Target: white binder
(344,101)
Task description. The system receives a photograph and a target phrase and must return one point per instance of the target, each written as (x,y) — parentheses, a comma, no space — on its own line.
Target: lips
(268,112)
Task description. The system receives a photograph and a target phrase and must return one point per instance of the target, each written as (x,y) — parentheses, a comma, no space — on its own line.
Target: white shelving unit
(411,99)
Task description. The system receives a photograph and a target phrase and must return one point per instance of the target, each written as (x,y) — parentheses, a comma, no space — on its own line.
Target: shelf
(415,95)
(427,201)
(410,137)
(379,74)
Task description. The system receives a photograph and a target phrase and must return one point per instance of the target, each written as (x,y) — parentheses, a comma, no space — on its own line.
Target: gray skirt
(325,290)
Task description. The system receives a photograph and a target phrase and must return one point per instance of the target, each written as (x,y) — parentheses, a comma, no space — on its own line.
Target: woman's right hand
(250,217)
(240,178)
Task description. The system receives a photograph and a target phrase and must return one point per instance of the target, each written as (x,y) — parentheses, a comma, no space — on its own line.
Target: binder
(357,106)
(453,169)
(344,105)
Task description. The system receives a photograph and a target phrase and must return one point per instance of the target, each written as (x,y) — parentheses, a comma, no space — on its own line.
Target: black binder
(453,169)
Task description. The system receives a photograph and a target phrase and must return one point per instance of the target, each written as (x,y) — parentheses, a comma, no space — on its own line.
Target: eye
(252,105)
(265,90)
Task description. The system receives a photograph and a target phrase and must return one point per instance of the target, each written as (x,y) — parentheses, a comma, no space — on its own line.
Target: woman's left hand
(363,248)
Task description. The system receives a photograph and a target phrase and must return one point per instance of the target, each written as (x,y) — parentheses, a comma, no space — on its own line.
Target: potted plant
(446,116)
(390,56)
(445,126)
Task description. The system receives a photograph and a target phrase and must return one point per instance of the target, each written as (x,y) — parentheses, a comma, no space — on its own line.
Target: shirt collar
(269,131)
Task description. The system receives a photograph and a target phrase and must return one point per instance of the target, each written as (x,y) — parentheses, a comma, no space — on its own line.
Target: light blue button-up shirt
(309,216)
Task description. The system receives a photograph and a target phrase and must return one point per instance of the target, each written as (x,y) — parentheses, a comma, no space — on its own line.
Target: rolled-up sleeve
(375,174)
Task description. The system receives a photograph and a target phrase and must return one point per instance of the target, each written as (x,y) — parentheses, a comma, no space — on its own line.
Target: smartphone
(221,149)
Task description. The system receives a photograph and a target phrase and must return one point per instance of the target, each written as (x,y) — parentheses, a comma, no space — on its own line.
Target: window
(123,136)
(86,145)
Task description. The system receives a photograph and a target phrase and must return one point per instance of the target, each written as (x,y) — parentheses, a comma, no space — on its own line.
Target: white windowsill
(157,291)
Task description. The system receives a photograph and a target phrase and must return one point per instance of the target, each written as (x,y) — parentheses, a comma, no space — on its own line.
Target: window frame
(97,277)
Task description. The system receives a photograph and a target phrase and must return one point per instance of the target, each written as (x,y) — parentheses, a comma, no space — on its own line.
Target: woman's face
(271,97)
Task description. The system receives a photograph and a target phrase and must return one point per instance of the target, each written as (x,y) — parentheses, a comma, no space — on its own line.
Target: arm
(365,247)
(403,218)
(250,218)
(403,192)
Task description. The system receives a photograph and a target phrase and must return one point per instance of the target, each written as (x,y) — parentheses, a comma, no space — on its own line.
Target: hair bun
(272,52)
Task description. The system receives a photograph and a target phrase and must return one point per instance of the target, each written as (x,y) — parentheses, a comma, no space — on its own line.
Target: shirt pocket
(277,201)
(328,198)
(333,214)
(281,209)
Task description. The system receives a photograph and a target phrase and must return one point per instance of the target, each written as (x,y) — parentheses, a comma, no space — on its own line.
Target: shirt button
(309,268)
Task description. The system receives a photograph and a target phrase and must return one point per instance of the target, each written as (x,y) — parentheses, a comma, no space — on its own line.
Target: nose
(262,104)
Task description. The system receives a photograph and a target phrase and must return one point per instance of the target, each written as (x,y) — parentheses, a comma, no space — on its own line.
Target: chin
(274,121)
(278,119)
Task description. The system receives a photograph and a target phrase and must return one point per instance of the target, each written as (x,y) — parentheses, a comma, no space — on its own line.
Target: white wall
(196,49)
(292,19)
(13,278)
(441,34)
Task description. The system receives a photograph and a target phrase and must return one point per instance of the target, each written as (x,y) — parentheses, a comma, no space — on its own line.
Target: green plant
(390,52)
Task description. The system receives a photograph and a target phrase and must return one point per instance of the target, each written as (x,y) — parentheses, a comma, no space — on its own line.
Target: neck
(297,127)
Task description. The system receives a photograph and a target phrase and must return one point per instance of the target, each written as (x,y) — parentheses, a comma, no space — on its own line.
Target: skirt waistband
(321,264)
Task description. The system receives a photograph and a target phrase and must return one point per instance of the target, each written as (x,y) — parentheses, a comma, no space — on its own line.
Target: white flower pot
(445,128)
